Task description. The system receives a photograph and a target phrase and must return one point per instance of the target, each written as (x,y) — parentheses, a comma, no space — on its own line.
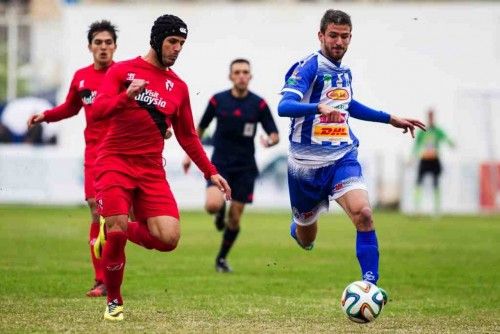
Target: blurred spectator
(426,149)
(13,122)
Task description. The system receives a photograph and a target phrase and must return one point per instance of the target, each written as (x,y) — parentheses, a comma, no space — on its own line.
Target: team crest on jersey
(338,94)
(169,85)
(82,82)
(292,80)
(339,80)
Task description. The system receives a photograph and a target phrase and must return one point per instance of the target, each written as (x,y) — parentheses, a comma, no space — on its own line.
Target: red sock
(138,233)
(113,263)
(94,232)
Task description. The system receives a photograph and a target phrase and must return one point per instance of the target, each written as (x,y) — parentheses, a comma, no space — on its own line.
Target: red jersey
(82,92)
(138,126)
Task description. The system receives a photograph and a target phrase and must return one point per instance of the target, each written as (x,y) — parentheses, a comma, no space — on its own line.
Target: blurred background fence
(405,58)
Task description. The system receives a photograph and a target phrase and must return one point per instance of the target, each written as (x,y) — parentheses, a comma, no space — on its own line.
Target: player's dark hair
(336,17)
(100,26)
(238,61)
(164,26)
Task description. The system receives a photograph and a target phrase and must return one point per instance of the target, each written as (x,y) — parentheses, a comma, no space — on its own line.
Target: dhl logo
(331,131)
(338,94)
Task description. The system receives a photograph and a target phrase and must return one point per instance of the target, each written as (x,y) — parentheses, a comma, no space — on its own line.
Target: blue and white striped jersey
(316,79)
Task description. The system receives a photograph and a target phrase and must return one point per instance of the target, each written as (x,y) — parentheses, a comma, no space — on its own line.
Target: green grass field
(442,276)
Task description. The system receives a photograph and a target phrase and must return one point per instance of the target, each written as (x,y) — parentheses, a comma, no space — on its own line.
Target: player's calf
(308,245)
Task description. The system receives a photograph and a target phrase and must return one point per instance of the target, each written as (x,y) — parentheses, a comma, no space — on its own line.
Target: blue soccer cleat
(293,234)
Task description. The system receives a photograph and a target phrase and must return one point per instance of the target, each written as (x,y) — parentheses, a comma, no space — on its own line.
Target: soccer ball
(362,301)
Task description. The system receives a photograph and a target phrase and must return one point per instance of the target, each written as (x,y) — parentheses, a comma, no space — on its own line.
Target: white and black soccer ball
(362,301)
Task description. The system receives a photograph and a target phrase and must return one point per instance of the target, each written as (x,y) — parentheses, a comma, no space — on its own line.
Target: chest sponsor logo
(335,132)
(338,94)
(88,96)
(152,98)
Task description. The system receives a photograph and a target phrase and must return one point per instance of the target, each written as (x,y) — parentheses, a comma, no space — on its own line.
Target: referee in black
(238,111)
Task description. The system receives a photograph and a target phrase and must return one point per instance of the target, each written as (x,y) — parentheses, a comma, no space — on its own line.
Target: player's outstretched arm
(291,106)
(186,162)
(407,124)
(183,125)
(69,108)
(362,112)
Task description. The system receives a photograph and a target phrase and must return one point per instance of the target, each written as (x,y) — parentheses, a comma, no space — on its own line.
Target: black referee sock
(228,239)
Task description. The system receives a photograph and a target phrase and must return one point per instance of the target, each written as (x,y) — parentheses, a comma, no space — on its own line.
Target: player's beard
(337,53)
(168,61)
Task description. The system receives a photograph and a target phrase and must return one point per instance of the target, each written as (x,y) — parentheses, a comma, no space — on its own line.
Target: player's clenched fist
(222,184)
(136,87)
(332,115)
(35,119)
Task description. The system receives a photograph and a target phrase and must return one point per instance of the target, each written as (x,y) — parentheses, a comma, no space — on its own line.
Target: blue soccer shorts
(312,188)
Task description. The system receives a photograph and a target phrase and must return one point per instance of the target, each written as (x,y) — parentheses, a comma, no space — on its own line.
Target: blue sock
(367,253)
(293,230)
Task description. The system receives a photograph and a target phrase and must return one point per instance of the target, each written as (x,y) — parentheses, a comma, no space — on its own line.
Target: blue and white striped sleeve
(300,76)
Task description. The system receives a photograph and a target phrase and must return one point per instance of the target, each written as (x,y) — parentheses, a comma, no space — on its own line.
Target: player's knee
(212,207)
(116,223)
(364,220)
(168,246)
(169,239)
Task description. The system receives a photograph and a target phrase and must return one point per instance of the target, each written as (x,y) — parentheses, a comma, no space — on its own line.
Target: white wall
(404,57)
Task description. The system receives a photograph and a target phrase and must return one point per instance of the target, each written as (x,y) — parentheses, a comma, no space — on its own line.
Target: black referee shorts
(241,181)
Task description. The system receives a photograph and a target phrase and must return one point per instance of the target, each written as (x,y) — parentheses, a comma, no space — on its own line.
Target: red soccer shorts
(89,179)
(89,171)
(125,181)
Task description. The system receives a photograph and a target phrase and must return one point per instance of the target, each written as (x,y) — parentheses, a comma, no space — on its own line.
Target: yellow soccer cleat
(114,311)
(100,241)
